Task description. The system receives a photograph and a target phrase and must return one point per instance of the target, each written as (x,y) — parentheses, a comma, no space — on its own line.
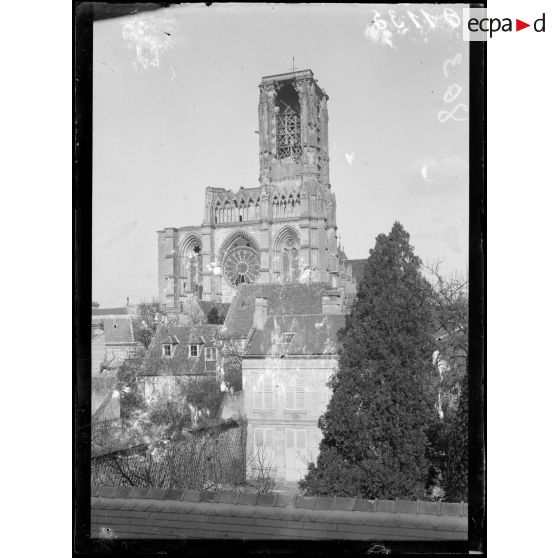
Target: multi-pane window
(264,448)
(263,392)
(167,350)
(263,437)
(295,394)
(210,353)
(194,350)
(296,440)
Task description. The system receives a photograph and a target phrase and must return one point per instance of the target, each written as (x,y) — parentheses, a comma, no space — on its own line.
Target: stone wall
(135,513)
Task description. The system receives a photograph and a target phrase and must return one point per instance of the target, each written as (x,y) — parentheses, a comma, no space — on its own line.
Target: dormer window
(168,346)
(194,351)
(287,338)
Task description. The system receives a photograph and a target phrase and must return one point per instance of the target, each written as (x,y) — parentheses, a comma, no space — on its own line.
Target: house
(121,327)
(105,400)
(282,299)
(114,335)
(288,358)
(178,354)
(105,405)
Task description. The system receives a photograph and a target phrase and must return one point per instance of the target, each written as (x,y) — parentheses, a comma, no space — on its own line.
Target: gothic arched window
(192,267)
(290,262)
(286,256)
(288,123)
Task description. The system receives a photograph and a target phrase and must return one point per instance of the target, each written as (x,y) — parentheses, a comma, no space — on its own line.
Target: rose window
(241,265)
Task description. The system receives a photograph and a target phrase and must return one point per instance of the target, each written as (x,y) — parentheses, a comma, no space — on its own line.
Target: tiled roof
(281,299)
(171,339)
(358,268)
(122,333)
(181,363)
(128,513)
(313,335)
(124,311)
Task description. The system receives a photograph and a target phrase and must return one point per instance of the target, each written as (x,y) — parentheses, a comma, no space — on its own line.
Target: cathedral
(282,231)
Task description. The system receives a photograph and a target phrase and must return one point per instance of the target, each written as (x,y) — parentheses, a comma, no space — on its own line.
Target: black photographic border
(84,15)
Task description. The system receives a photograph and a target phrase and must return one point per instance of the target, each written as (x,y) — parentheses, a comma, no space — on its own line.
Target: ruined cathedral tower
(283,230)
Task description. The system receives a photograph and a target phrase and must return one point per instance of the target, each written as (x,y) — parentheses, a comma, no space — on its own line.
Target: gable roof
(122,333)
(181,363)
(282,299)
(123,311)
(314,335)
(170,340)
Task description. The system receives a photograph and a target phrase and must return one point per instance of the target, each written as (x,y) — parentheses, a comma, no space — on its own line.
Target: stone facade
(283,230)
(287,363)
(285,439)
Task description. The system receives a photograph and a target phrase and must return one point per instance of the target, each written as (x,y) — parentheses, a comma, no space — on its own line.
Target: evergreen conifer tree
(374,429)
(455,470)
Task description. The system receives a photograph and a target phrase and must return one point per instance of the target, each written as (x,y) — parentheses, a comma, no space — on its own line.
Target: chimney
(260,312)
(127,301)
(332,302)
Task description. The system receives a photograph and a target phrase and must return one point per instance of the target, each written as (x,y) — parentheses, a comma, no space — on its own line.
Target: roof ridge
(233,306)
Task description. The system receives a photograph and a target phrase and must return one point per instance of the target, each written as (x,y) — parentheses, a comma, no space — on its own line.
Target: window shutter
(258,391)
(300,393)
(290,438)
(258,437)
(269,441)
(290,393)
(301,440)
(268,392)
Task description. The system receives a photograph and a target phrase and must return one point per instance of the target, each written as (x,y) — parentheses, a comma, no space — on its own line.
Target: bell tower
(293,125)
(283,230)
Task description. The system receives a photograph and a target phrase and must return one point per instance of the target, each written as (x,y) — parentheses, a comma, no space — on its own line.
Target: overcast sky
(175,110)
